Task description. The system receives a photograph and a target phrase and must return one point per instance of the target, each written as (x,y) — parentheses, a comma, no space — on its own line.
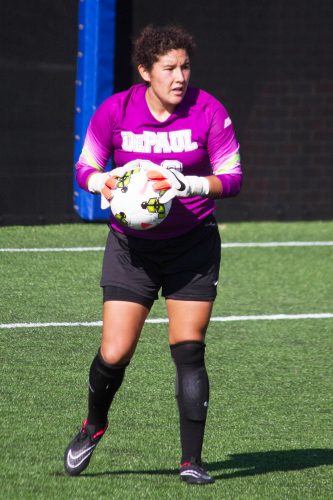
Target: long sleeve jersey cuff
(82,174)
(231,184)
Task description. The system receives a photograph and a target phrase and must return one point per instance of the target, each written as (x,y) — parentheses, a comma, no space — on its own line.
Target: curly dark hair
(155,41)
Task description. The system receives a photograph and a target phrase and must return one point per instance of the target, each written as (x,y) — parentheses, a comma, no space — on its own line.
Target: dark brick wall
(37,75)
(287,137)
(269,62)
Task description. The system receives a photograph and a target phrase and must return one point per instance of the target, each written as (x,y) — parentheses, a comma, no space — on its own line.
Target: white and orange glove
(105,182)
(177,184)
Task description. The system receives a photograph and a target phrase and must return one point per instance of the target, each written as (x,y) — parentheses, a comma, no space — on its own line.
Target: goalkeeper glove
(105,182)
(176,184)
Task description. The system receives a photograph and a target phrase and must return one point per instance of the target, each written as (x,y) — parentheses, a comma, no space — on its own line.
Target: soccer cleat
(193,473)
(78,453)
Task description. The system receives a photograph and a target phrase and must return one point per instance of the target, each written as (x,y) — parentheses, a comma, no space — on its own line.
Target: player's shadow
(263,462)
(247,464)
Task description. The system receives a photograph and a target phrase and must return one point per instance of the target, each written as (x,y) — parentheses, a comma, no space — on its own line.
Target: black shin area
(104,381)
(192,394)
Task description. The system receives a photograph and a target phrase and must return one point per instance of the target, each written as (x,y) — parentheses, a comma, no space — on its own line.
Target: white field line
(53,249)
(270,244)
(274,244)
(265,317)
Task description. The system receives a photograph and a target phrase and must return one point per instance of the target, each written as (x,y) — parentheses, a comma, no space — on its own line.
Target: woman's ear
(144,73)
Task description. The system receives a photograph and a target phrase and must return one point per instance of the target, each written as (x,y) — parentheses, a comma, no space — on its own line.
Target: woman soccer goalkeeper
(189,135)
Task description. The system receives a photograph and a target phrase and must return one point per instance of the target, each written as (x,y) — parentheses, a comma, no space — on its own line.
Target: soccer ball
(136,204)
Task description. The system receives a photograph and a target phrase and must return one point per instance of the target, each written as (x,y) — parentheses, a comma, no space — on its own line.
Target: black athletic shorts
(184,268)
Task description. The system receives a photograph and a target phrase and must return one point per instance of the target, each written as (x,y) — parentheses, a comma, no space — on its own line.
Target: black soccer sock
(104,381)
(192,394)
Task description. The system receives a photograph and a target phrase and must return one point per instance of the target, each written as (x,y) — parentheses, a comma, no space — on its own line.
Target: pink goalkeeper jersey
(197,139)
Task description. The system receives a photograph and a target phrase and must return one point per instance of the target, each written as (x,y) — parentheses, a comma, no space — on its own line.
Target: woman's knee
(114,355)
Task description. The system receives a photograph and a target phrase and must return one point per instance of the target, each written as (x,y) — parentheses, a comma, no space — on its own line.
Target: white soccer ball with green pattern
(136,204)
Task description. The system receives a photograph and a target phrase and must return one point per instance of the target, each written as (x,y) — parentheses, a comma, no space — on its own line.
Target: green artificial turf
(269,430)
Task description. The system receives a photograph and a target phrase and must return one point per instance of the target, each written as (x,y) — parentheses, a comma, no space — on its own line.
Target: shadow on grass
(245,464)
(263,462)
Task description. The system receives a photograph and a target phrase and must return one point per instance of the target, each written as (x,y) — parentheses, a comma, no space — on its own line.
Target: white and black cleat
(79,451)
(193,473)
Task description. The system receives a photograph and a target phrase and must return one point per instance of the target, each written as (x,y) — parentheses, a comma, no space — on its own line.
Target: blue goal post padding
(94,83)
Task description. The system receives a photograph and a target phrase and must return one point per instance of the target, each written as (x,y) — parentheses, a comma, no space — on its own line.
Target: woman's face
(168,78)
